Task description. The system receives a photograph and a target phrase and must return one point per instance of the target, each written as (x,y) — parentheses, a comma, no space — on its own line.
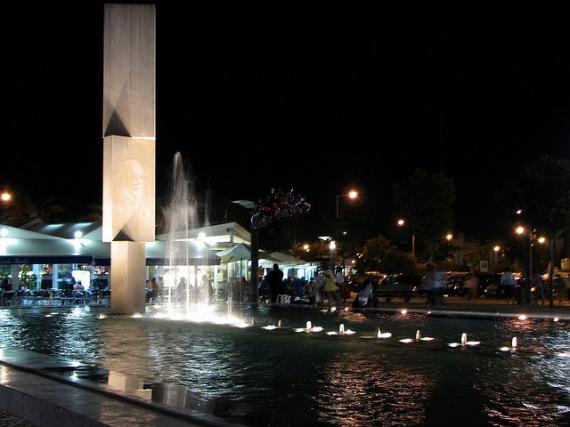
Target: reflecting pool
(259,376)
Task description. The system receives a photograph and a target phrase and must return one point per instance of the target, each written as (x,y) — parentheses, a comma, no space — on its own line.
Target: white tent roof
(18,246)
(43,251)
(235,253)
(266,260)
(65,230)
(286,259)
(222,231)
(179,253)
(18,233)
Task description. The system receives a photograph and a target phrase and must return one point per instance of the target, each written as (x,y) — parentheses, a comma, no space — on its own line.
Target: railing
(53,297)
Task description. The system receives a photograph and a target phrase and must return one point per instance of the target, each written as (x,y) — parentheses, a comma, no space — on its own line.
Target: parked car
(494,289)
(355,282)
(455,283)
(486,280)
(398,285)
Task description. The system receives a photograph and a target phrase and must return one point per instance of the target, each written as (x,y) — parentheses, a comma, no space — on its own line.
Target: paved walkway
(479,307)
(45,402)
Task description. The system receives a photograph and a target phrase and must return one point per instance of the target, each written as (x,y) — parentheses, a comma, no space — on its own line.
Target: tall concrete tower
(128,148)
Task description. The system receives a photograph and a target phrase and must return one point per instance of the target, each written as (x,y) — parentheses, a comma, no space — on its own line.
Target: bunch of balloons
(278,205)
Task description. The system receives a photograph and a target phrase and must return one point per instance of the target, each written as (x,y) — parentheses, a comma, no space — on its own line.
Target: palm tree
(23,209)
(95,212)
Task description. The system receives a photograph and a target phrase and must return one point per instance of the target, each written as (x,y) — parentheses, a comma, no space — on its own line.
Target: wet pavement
(478,307)
(9,420)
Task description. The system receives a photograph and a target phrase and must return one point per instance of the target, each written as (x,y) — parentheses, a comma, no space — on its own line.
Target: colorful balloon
(278,205)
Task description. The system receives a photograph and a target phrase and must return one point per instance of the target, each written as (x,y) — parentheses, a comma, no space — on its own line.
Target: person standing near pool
(508,284)
(275,280)
(330,288)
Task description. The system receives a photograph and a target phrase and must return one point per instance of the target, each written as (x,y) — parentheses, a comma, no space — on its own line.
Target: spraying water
(184,247)
(180,216)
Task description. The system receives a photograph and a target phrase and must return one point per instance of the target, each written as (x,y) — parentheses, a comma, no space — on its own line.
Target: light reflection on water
(260,377)
(375,392)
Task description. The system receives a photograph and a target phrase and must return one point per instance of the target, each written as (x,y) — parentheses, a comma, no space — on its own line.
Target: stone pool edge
(32,394)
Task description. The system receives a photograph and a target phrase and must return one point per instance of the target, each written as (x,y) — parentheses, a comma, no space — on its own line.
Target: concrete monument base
(127,277)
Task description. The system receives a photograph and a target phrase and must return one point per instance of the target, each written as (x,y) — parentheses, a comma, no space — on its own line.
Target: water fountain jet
(513,347)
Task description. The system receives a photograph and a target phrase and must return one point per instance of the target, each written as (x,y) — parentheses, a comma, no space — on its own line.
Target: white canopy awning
(235,253)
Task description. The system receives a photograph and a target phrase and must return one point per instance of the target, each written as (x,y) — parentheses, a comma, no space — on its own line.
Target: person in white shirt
(508,283)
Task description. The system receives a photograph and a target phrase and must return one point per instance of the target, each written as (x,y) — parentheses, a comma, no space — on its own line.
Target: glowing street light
(449,237)
(541,240)
(306,247)
(520,230)
(352,195)
(401,222)
(496,250)
(332,247)
(6,197)
(519,212)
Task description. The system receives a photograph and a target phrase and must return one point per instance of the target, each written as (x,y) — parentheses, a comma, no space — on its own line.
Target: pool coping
(438,312)
(169,413)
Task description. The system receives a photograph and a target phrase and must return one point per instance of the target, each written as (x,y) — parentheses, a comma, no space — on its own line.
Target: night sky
(253,101)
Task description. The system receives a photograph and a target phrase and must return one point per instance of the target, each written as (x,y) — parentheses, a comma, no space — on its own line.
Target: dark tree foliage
(542,192)
(426,200)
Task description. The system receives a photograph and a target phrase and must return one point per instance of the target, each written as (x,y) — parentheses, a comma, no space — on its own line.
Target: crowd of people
(69,292)
(522,291)
(536,290)
(326,287)
(156,291)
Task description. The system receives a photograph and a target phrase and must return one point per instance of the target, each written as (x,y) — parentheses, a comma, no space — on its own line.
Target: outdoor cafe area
(43,264)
